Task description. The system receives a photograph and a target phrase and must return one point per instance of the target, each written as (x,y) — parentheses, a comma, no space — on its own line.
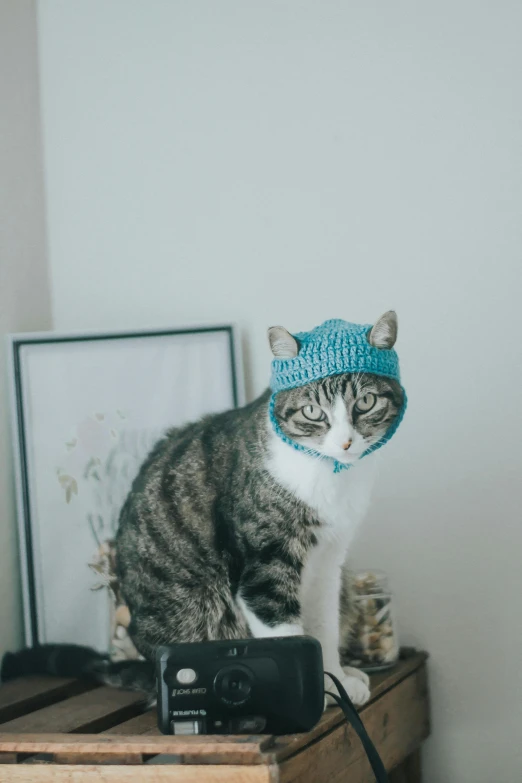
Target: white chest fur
(339,500)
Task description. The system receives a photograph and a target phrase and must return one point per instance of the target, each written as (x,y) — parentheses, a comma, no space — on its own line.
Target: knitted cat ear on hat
(334,348)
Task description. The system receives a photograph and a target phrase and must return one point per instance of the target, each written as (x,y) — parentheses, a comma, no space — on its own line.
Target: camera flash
(186,676)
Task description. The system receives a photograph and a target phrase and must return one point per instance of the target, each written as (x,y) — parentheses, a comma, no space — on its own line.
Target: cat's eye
(366,403)
(313,413)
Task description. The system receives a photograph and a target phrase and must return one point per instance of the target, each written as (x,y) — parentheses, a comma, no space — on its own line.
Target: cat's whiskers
(371,442)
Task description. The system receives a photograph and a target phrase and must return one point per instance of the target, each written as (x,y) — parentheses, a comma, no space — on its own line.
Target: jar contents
(373,642)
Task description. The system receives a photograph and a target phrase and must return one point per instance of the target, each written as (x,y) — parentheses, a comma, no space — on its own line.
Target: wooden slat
(171,773)
(141,724)
(397,723)
(228,750)
(18,697)
(380,683)
(92,711)
(101,758)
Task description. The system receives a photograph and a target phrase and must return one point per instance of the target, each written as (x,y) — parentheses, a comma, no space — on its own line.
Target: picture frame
(86,408)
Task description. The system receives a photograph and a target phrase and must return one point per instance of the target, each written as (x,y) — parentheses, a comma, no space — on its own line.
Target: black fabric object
(74,660)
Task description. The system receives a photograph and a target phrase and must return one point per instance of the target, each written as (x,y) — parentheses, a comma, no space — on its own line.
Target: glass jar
(373,643)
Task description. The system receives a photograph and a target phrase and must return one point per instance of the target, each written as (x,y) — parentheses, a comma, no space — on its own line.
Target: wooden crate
(62,730)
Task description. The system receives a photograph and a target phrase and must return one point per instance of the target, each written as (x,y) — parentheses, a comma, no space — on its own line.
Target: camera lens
(233,685)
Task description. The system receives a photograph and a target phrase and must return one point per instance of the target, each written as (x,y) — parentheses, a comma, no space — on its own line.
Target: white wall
(24,294)
(277,161)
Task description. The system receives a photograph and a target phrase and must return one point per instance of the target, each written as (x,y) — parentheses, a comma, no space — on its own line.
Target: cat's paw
(351,671)
(357,690)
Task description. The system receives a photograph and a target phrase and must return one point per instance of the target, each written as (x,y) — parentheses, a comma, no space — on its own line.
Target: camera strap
(352,716)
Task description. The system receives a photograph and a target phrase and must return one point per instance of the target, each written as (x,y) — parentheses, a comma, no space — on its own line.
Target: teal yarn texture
(333,348)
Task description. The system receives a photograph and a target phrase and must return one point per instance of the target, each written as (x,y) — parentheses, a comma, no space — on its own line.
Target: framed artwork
(86,410)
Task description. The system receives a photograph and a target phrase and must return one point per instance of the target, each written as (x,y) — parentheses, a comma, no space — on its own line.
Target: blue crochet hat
(333,348)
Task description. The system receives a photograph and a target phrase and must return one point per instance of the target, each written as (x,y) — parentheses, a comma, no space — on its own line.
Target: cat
(237,525)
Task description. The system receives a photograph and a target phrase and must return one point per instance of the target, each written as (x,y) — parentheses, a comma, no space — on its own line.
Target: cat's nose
(346,445)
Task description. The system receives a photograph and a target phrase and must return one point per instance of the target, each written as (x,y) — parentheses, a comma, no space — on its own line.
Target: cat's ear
(283,345)
(384,333)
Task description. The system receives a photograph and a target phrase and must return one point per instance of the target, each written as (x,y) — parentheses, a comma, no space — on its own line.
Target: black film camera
(249,686)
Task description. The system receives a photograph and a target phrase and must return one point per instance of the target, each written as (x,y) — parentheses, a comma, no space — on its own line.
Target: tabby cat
(232,530)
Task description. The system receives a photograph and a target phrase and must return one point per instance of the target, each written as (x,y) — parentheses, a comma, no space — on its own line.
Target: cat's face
(344,415)
(341,416)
